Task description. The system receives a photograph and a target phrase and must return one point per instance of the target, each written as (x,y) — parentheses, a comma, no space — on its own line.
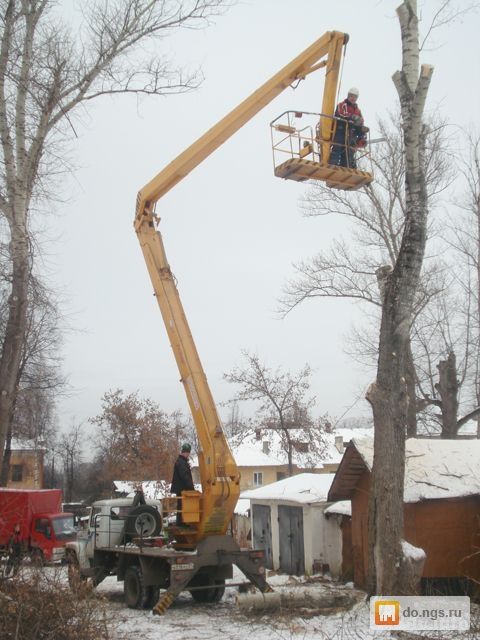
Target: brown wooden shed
(441,508)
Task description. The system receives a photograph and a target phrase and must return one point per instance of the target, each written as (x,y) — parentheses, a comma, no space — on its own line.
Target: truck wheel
(214,594)
(134,589)
(143,522)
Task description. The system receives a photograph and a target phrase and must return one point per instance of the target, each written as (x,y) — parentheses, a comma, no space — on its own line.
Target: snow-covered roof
(248,450)
(434,468)
(153,489)
(242,507)
(305,488)
(247,455)
(27,445)
(329,455)
(342,508)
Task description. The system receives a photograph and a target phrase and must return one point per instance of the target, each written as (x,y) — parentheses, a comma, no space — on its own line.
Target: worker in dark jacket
(14,552)
(182,477)
(350,132)
(139,497)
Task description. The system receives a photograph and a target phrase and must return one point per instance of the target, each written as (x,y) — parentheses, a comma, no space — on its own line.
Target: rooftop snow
(304,488)
(242,507)
(343,508)
(435,468)
(247,455)
(152,489)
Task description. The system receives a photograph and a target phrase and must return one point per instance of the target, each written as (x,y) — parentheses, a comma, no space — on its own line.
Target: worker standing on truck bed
(182,477)
(139,497)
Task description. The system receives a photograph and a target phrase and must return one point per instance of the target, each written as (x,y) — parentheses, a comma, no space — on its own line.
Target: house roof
(242,507)
(304,488)
(248,450)
(247,455)
(152,489)
(434,468)
(342,508)
(27,445)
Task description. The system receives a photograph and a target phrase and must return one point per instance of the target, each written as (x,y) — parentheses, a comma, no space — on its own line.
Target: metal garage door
(262,532)
(290,527)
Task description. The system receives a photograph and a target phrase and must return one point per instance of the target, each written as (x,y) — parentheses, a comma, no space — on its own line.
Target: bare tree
(46,74)
(465,239)
(283,406)
(39,378)
(70,449)
(442,311)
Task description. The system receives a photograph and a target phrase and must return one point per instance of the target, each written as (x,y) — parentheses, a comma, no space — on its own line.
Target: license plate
(182,567)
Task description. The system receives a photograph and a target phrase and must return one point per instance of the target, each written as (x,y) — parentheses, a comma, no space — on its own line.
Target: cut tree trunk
(392,394)
(447,388)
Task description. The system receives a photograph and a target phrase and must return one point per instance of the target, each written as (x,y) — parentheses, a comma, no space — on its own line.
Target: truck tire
(143,522)
(136,594)
(214,594)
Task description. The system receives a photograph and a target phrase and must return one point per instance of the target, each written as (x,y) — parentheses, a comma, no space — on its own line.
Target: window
(257,478)
(17,472)
(281,475)
(43,526)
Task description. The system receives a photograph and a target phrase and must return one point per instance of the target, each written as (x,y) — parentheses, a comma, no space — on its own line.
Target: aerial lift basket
(301,151)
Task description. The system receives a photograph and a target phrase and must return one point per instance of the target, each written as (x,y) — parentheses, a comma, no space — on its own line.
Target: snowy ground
(224,621)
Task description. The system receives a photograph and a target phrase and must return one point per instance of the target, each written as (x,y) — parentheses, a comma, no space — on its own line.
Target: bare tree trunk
(447,388)
(7,455)
(389,395)
(12,347)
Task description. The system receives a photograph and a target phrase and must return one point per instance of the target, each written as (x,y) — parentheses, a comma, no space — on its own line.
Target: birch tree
(389,395)
(47,72)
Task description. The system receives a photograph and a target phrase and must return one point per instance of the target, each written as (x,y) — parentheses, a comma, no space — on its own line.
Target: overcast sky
(231,229)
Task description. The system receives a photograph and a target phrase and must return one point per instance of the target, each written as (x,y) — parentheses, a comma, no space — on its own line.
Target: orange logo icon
(387,612)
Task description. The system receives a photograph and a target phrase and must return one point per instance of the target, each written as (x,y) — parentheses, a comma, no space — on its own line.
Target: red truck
(44,528)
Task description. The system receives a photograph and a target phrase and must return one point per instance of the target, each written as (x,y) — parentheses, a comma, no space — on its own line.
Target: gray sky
(231,229)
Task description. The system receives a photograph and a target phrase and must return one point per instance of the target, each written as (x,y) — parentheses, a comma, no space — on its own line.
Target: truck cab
(49,534)
(112,522)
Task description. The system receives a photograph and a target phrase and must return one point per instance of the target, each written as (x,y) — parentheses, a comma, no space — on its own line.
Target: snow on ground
(224,621)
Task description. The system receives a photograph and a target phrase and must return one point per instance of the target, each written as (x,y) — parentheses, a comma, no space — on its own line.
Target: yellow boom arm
(219,473)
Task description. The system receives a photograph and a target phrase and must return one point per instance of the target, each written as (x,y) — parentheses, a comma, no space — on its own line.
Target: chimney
(266,447)
(339,444)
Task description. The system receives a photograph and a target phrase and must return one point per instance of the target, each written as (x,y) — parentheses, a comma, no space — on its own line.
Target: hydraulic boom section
(210,512)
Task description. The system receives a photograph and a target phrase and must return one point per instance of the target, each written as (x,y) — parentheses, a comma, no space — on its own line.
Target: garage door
(262,532)
(292,554)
